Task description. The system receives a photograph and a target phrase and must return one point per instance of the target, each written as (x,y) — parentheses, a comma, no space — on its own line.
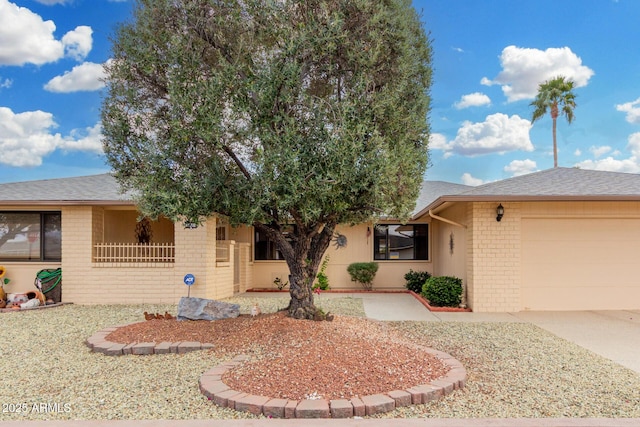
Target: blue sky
(489,57)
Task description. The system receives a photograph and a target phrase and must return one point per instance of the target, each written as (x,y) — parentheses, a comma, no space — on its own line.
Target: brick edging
(99,344)
(212,386)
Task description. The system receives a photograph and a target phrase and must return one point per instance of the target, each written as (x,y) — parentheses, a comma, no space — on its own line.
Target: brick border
(212,386)
(98,344)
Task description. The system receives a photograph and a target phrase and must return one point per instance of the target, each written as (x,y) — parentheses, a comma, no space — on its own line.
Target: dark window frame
(265,249)
(382,245)
(45,245)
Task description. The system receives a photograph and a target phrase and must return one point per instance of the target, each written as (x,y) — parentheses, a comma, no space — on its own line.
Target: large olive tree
(273,113)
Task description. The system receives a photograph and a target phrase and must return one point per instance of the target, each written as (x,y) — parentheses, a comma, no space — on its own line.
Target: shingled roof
(431,190)
(90,190)
(551,184)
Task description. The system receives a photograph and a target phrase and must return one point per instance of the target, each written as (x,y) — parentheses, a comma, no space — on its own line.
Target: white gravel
(515,370)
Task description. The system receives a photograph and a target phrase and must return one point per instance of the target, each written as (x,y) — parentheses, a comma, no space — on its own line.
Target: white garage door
(580,264)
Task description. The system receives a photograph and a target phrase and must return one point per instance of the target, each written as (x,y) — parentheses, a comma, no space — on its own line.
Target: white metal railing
(134,252)
(222,251)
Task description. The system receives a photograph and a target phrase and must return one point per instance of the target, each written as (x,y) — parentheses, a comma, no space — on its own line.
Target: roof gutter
(448,221)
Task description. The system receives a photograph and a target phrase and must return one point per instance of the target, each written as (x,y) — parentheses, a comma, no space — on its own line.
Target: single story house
(565,239)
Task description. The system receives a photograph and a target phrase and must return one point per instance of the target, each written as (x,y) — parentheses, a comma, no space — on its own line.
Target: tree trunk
(308,250)
(301,305)
(555,146)
(303,251)
(554,119)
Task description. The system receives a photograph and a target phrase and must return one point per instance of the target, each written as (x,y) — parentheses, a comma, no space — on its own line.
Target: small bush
(363,273)
(416,280)
(323,279)
(443,291)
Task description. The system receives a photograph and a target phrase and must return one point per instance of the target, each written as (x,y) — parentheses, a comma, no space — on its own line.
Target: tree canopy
(554,95)
(271,113)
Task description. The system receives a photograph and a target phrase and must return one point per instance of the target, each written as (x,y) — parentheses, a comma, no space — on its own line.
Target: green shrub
(363,273)
(323,279)
(416,280)
(443,291)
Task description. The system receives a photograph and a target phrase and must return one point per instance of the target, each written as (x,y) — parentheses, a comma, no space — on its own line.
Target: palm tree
(557,95)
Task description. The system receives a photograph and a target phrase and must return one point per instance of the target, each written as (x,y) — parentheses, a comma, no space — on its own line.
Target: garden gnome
(255,310)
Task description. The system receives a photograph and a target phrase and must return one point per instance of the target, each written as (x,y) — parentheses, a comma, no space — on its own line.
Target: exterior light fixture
(500,212)
(190,225)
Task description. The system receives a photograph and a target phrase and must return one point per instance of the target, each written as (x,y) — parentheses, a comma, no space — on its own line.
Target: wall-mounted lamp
(500,212)
(190,225)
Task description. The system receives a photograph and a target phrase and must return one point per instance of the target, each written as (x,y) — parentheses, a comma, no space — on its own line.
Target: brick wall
(493,257)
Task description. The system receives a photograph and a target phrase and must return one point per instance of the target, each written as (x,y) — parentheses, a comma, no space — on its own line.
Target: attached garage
(567,239)
(580,264)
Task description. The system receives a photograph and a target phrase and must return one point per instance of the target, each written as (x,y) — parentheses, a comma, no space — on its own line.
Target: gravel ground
(515,370)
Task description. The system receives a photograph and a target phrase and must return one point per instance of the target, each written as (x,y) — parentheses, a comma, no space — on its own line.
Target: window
(265,248)
(30,236)
(393,242)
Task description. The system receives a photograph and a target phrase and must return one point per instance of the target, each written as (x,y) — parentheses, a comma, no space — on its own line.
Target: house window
(265,248)
(30,236)
(403,242)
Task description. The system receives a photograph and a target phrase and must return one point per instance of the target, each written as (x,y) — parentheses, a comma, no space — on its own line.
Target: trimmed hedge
(416,280)
(363,273)
(443,291)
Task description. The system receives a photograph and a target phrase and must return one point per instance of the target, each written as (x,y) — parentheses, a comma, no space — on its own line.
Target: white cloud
(632,109)
(6,83)
(25,38)
(499,133)
(523,69)
(90,140)
(438,141)
(577,152)
(26,138)
(521,167)
(77,43)
(467,179)
(630,164)
(599,151)
(52,2)
(475,99)
(83,77)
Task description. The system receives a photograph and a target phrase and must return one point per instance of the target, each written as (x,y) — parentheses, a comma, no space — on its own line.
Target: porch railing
(134,253)
(222,251)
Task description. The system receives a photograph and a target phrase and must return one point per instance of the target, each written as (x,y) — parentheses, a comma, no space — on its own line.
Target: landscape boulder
(206,309)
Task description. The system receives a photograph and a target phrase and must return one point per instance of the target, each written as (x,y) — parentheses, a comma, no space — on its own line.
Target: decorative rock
(206,309)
